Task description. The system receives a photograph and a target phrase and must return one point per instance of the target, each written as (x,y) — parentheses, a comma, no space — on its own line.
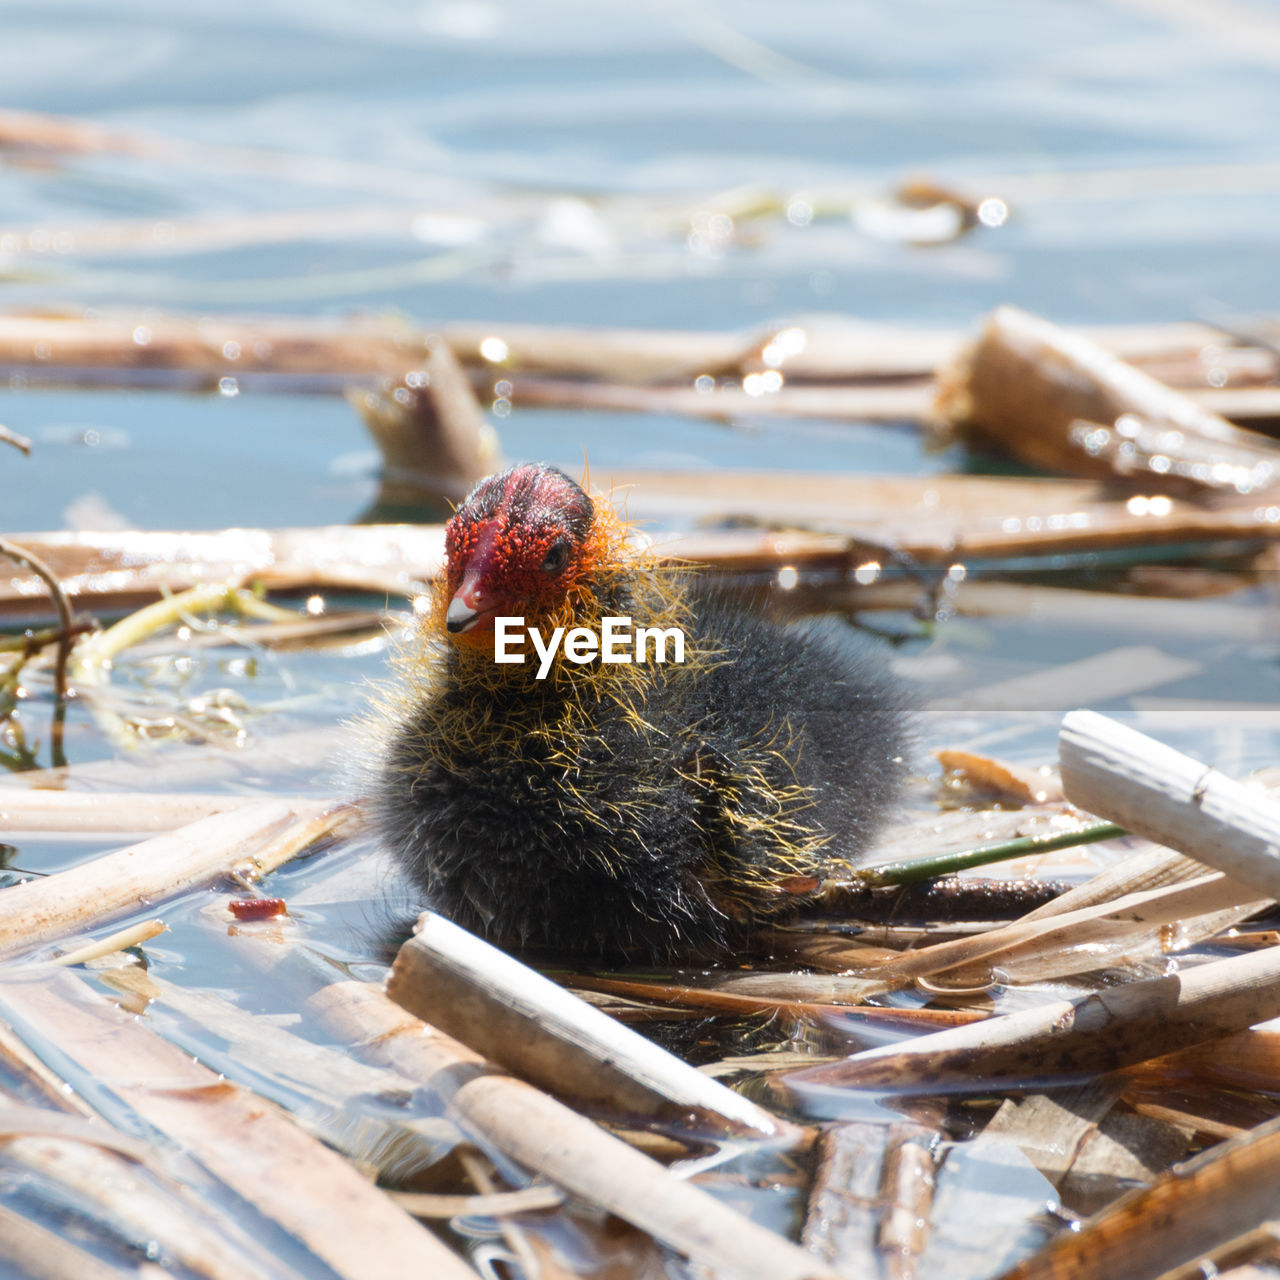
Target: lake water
(489,126)
(548,162)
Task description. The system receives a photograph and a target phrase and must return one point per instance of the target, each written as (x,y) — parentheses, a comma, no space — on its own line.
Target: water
(545,164)
(557,162)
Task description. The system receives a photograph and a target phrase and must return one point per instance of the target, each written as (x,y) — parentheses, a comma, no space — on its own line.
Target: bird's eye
(556,558)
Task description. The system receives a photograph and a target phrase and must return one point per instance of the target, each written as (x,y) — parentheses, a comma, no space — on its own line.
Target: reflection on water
(699,166)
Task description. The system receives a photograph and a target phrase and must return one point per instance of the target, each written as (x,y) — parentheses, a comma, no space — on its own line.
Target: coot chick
(636,810)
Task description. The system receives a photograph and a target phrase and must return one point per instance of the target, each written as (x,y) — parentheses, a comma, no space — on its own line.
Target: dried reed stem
(1062,402)
(1189,1212)
(511,1014)
(73,901)
(546,1136)
(252,1146)
(1111,1028)
(1158,792)
(119,811)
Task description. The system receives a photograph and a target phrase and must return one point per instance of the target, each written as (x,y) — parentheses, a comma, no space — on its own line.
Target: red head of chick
(518,546)
(638,809)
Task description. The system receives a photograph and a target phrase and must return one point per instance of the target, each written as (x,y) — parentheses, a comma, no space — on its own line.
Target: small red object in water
(257,908)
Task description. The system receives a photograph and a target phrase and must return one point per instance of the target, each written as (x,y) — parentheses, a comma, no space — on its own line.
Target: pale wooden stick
(1189,1212)
(1112,1028)
(317,820)
(80,812)
(1150,868)
(336,1085)
(321,1072)
(73,901)
(665,995)
(907,403)
(1101,928)
(18,1121)
(428,1204)
(9,436)
(134,936)
(40,1079)
(68,1144)
(247,1142)
(935,519)
(506,1011)
(546,1136)
(568,369)
(868,1210)
(1157,792)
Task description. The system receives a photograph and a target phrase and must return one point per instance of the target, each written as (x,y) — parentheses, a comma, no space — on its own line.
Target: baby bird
(637,810)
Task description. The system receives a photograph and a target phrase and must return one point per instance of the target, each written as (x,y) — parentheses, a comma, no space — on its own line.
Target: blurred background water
(560,162)
(717,166)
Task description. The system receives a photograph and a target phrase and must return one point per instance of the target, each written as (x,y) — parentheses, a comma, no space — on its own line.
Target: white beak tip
(459,617)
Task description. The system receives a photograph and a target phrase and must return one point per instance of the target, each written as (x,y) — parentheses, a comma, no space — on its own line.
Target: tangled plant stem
(93,657)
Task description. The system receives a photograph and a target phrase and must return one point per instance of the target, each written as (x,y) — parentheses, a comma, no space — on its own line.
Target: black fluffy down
(632,851)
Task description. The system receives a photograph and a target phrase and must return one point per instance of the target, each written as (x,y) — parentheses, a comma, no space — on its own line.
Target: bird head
(517,547)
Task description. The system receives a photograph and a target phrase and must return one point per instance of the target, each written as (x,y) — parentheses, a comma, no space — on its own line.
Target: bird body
(629,809)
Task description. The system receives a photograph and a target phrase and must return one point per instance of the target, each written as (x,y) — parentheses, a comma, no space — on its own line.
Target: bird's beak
(461,615)
(471,602)
(474,599)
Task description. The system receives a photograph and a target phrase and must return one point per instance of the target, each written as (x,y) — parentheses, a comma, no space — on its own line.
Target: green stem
(946,864)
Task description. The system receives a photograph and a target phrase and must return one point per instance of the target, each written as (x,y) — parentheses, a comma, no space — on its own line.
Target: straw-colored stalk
(136,1194)
(498,1204)
(33,1250)
(248,1143)
(1140,872)
(434,440)
(549,1138)
(95,654)
(869,1203)
(1111,1028)
(1190,1212)
(926,516)
(116,811)
(328,1088)
(1075,941)
(1158,792)
(73,901)
(509,1013)
(134,936)
(666,995)
(834,349)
